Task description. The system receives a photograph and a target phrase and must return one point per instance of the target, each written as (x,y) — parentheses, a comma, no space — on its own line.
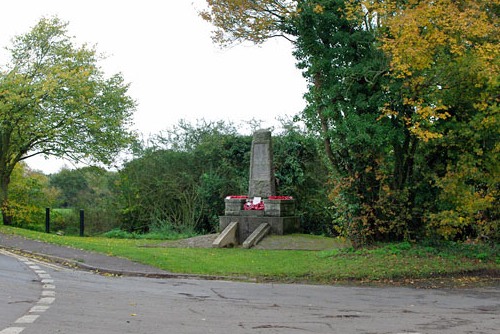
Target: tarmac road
(83,302)
(19,289)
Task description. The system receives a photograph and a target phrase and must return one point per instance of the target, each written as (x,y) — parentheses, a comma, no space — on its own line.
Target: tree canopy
(55,100)
(248,20)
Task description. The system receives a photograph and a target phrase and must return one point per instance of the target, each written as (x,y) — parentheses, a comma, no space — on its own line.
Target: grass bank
(382,263)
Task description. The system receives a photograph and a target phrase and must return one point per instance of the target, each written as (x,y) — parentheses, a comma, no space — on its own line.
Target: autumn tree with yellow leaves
(447,54)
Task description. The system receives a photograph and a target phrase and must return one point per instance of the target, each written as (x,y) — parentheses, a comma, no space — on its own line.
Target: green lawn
(397,261)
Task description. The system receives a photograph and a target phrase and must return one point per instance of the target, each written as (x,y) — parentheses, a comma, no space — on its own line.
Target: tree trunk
(4,200)
(324,122)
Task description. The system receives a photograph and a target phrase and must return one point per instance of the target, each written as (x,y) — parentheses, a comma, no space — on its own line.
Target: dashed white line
(39,309)
(12,330)
(27,319)
(46,300)
(48,293)
(47,296)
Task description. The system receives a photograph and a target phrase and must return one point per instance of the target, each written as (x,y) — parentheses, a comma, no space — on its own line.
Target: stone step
(227,238)
(257,235)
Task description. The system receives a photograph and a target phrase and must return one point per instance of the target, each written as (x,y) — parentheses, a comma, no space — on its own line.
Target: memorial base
(248,224)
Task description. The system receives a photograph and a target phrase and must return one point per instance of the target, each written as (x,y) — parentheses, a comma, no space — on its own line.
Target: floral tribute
(253,206)
(237,197)
(280,197)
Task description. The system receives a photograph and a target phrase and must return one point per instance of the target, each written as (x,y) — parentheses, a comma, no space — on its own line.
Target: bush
(120,234)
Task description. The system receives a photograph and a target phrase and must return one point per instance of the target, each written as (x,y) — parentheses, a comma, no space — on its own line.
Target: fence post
(47,220)
(82,222)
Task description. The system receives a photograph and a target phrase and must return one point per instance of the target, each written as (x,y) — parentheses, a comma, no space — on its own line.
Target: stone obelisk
(261,177)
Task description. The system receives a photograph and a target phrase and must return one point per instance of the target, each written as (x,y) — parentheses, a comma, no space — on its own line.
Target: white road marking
(12,330)
(27,319)
(48,293)
(46,300)
(39,309)
(47,296)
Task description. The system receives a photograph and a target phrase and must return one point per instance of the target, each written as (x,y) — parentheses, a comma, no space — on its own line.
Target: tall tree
(345,71)
(55,100)
(448,55)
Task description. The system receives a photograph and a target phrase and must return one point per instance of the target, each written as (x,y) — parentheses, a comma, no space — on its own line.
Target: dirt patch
(277,242)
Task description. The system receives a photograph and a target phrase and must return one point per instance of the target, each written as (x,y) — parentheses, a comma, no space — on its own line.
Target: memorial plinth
(279,214)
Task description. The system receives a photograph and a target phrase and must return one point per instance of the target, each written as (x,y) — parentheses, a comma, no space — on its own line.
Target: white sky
(163,48)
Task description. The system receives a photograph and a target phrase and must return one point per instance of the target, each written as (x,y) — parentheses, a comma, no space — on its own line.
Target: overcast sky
(164,50)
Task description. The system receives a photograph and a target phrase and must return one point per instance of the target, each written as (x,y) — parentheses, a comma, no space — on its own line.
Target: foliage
(182,178)
(155,234)
(248,20)
(71,184)
(451,82)
(301,172)
(54,100)
(91,189)
(346,72)
(160,187)
(29,196)
(223,157)
(64,221)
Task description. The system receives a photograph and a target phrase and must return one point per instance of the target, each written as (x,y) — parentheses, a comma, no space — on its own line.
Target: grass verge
(395,262)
